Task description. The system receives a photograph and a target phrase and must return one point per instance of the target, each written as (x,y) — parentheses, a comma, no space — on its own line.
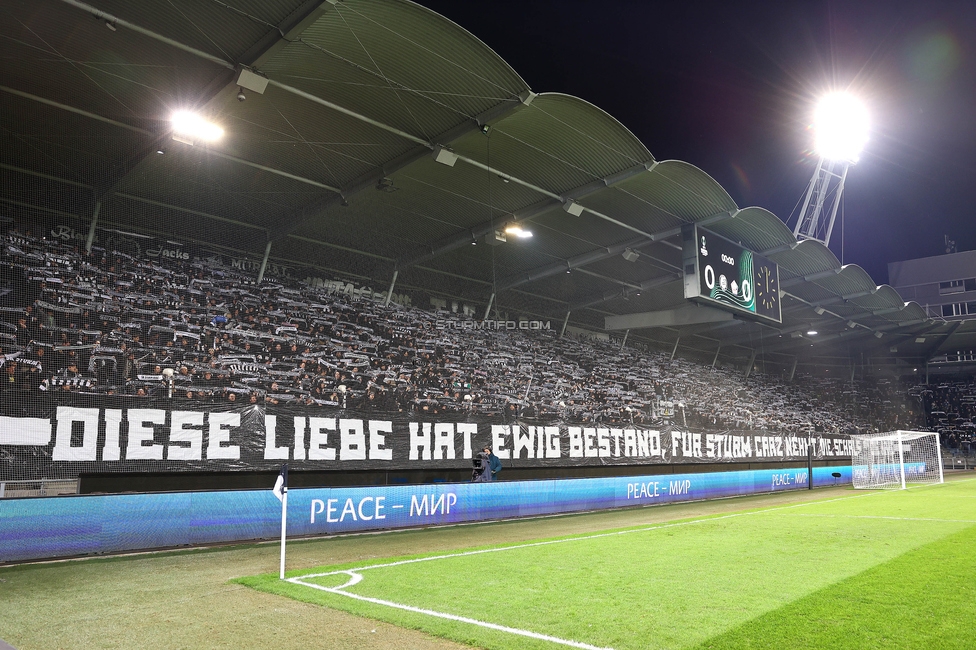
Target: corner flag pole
(281,491)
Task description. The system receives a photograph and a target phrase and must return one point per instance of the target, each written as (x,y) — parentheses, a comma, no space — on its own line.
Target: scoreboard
(723,274)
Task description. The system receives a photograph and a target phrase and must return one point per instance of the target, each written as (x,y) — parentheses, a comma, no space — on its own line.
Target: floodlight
(193,126)
(811,332)
(841,127)
(840,132)
(518,231)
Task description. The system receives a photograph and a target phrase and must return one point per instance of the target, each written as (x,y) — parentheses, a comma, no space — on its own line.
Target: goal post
(893,459)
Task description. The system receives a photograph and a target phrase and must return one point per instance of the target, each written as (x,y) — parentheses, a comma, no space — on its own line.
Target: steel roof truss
(527,214)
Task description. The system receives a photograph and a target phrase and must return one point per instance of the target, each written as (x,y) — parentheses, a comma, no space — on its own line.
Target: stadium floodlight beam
(841,128)
(188,126)
(518,231)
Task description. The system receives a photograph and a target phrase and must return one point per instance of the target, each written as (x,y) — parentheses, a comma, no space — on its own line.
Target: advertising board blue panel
(36,528)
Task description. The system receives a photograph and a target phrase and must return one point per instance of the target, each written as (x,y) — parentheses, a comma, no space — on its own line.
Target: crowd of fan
(107,323)
(950,409)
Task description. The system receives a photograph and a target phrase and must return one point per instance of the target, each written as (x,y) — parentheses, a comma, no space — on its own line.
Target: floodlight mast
(841,126)
(817,216)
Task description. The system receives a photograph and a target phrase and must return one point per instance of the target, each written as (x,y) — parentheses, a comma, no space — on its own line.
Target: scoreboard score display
(723,274)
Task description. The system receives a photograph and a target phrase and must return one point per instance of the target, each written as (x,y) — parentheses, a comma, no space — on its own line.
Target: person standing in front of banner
(494,464)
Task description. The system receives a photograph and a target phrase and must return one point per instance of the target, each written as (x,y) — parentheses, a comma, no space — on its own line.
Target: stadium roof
(388,140)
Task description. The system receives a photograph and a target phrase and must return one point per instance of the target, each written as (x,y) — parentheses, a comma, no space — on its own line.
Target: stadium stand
(108,323)
(949,407)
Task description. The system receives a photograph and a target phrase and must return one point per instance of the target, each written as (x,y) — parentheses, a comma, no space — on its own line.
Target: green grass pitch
(888,569)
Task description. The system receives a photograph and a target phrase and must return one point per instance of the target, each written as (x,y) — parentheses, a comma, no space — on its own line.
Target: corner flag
(281,483)
(280,490)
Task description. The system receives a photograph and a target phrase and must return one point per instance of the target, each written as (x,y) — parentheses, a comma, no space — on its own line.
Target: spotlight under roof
(192,126)
(518,231)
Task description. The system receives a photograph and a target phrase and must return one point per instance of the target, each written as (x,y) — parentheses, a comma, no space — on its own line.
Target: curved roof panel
(885,298)
(851,280)
(687,191)
(805,259)
(333,162)
(760,227)
(591,131)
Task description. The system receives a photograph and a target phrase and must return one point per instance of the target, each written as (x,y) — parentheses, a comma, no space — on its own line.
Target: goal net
(896,458)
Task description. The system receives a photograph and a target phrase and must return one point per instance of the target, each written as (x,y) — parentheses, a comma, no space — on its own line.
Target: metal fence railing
(42,487)
(962,457)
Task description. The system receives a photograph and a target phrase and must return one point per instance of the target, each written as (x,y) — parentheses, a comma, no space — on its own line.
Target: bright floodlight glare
(518,231)
(194,126)
(841,127)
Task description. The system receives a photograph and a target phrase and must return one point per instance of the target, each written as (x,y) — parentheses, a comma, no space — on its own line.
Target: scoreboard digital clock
(723,274)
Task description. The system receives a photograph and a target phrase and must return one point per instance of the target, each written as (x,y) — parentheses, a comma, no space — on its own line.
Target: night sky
(730,87)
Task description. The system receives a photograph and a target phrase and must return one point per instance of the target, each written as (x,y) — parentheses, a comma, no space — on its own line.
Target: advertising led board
(723,274)
(38,527)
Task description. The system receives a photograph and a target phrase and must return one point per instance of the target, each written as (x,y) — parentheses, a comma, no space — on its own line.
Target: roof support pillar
(389,292)
(623,343)
(717,350)
(674,350)
(751,364)
(264,262)
(562,332)
(793,370)
(491,301)
(91,229)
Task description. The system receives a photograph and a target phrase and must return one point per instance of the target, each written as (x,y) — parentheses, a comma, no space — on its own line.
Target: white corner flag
(280,490)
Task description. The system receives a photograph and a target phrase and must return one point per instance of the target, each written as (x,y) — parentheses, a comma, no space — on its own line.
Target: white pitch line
(948,521)
(450,617)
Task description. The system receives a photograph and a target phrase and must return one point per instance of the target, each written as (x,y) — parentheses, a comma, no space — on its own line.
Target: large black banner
(56,437)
